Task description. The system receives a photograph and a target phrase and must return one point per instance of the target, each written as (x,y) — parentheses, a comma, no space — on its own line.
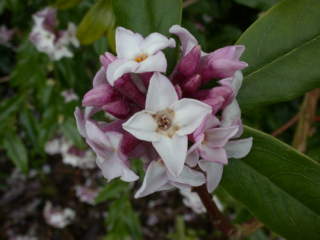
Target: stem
(307,116)
(287,125)
(218,220)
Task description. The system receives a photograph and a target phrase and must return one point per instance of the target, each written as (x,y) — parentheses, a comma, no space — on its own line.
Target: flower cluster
(183,131)
(48,39)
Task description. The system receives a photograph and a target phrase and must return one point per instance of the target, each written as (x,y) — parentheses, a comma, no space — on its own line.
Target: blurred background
(50,187)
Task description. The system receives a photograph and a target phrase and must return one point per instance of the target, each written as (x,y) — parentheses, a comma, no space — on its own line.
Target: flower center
(164,122)
(141,57)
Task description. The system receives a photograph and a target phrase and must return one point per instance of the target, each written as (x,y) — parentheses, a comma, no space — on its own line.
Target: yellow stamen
(141,57)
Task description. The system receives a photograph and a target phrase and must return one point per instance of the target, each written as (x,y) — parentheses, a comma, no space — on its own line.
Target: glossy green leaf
(64,4)
(282,50)
(16,151)
(98,21)
(146,16)
(279,185)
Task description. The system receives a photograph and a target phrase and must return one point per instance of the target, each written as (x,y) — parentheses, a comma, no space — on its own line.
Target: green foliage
(64,4)
(282,50)
(16,151)
(147,16)
(97,22)
(279,185)
(260,4)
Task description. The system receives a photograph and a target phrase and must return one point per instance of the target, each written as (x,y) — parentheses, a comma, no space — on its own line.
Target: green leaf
(98,20)
(64,4)
(16,151)
(259,4)
(282,50)
(112,190)
(279,185)
(146,16)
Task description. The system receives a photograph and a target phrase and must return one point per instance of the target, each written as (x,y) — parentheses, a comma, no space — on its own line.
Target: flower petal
(114,167)
(217,155)
(187,40)
(118,68)
(154,180)
(239,148)
(189,177)
(161,93)
(214,174)
(153,63)
(192,158)
(100,78)
(173,152)
(189,114)
(156,42)
(127,43)
(218,137)
(142,126)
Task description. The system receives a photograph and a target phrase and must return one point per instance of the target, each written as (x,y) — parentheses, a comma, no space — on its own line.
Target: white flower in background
(192,200)
(69,95)
(86,194)
(58,217)
(6,35)
(136,54)
(166,122)
(48,39)
(71,155)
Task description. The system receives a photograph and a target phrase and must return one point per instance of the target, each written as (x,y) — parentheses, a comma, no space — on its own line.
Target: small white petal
(118,68)
(127,43)
(97,136)
(214,173)
(192,159)
(187,40)
(156,42)
(189,114)
(153,63)
(189,177)
(217,155)
(155,180)
(218,137)
(100,77)
(173,152)
(161,93)
(239,148)
(142,126)
(231,114)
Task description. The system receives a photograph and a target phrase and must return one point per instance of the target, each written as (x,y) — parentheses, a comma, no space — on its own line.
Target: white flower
(166,122)
(192,200)
(137,54)
(57,217)
(158,178)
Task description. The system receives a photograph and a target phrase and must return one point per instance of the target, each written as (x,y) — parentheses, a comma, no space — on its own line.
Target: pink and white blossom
(166,122)
(136,54)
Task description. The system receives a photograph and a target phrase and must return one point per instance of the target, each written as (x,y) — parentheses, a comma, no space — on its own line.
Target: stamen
(141,57)
(164,123)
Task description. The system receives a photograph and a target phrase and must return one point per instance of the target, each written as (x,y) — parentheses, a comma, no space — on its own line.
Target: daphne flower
(58,217)
(137,54)
(158,178)
(107,144)
(166,122)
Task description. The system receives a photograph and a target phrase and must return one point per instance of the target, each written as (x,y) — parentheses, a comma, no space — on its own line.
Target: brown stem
(218,220)
(187,3)
(306,119)
(287,125)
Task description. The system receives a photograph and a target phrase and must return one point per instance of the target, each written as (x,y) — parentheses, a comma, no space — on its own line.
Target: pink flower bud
(189,63)
(192,84)
(128,89)
(106,59)
(99,96)
(119,109)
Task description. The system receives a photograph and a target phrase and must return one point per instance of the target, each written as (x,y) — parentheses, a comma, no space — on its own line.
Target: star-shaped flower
(166,122)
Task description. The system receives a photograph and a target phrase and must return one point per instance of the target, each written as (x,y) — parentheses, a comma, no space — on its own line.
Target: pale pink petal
(98,137)
(189,177)
(217,155)
(192,158)
(214,174)
(173,152)
(119,67)
(100,78)
(154,179)
(142,126)
(218,137)
(156,42)
(189,114)
(127,43)
(153,63)
(161,93)
(238,148)
(187,40)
